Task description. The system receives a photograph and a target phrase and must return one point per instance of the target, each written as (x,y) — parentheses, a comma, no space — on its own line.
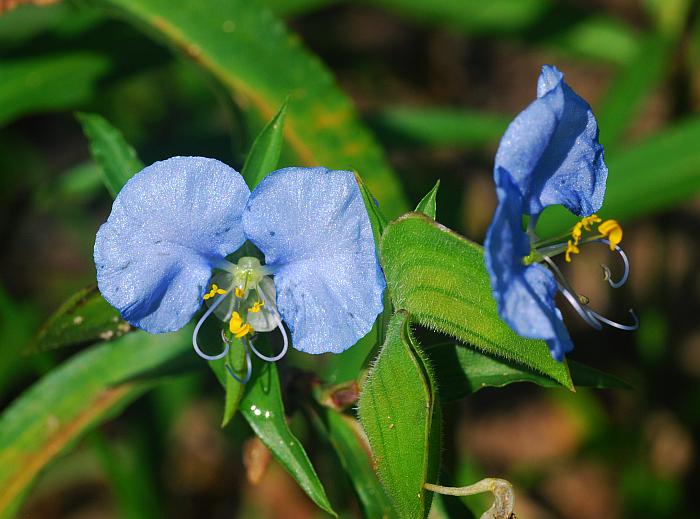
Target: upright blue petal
(551,150)
(524,294)
(168,225)
(313,228)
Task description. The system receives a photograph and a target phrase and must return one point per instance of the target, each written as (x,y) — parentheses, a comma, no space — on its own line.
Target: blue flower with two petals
(549,155)
(175,222)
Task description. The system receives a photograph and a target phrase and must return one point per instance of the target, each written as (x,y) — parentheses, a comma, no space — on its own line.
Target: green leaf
(262,407)
(587,376)
(437,126)
(113,154)
(243,46)
(292,7)
(345,436)
(47,83)
(265,152)
(578,32)
(400,413)
(636,80)
(473,16)
(461,371)
(440,278)
(85,317)
(428,204)
(376,217)
(654,175)
(86,390)
(236,360)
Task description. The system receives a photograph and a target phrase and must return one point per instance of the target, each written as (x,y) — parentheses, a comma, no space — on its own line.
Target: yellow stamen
(238,327)
(571,248)
(215,290)
(577,232)
(612,231)
(256,307)
(590,220)
(239,293)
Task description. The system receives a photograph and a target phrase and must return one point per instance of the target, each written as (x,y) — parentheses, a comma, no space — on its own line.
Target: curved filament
(606,269)
(248,361)
(619,326)
(284,338)
(199,325)
(278,320)
(582,311)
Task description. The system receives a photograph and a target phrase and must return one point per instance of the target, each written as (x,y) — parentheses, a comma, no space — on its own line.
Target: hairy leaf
(401,415)
(440,278)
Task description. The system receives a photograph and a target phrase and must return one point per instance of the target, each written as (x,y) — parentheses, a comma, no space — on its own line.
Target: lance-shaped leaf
(116,158)
(243,46)
(265,152)
(428,204)
(83,392)
(401,416)
(439,277)
(263,409)
(85,317)
(345,436)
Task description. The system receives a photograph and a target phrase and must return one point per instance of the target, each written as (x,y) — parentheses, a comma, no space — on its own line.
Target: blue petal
(524,294)
(168,225)
(313,228)
(551,150)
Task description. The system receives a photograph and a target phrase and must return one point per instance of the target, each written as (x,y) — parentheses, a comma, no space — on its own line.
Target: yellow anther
(256,307)
(612,231)
(238,327)
(571,248)
(239,293)
(215,290)
(590,220)
(577,232)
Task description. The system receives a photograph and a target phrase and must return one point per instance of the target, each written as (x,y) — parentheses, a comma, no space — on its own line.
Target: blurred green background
(436,83)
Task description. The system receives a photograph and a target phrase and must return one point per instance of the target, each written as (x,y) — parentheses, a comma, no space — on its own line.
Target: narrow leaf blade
(265,152)
(72,399)
(343,433)
(262,407)
(428,204)
(84,318)
(247,49)
(113,154)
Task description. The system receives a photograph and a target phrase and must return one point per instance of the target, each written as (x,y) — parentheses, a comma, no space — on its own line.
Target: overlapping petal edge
(175,219)
(549,155)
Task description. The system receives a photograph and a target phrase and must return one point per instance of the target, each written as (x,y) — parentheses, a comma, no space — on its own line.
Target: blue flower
(549,155)
(551,151)
(175,222)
